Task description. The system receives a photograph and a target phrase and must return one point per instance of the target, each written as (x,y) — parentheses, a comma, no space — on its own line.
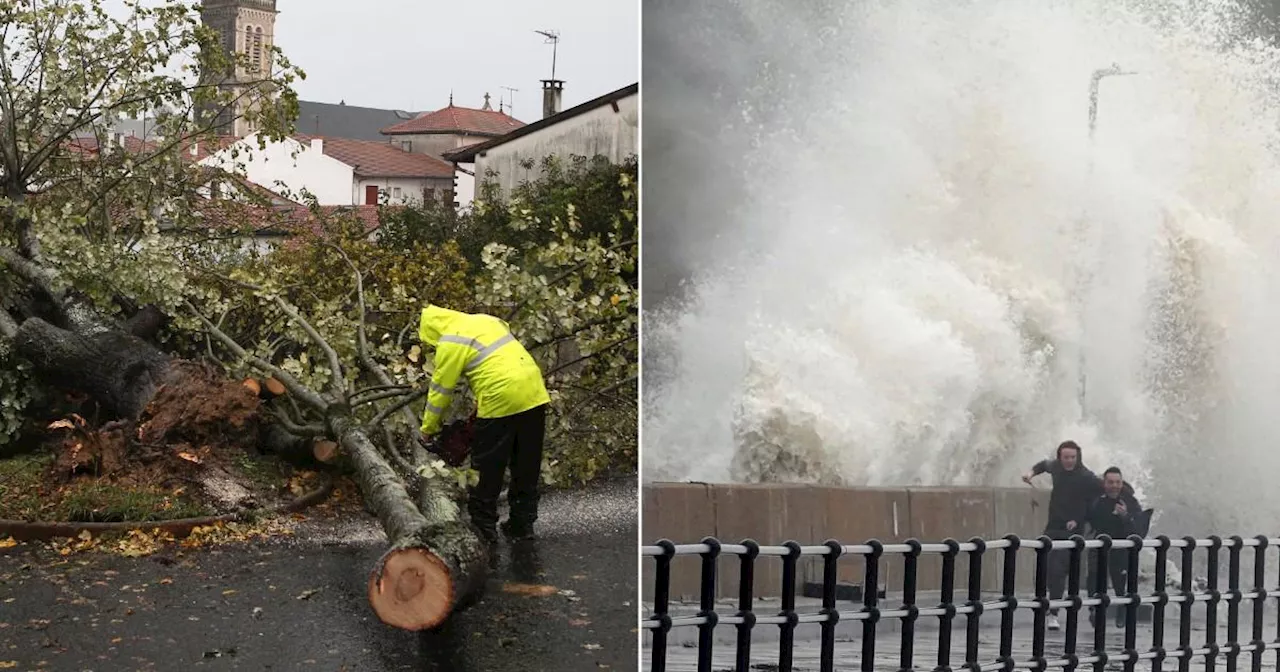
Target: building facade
(607,126)
(339,171)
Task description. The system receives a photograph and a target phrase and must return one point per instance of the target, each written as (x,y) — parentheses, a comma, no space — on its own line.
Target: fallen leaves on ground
(529,589)
(8,542)
(224,532)
(306,594)
(138,543)
(8,664)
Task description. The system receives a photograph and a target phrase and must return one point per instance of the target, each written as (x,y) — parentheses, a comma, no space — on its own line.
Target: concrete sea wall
(773,514)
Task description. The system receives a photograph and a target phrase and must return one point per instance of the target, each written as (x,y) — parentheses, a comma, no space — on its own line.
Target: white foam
(941,248)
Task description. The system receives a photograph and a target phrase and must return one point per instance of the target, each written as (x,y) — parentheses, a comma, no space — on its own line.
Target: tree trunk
(435,560)
(118,370)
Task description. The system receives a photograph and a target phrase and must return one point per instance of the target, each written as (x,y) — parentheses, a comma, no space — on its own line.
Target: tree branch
(298,389)
(369,364)
(564,276)
(601,351)
(305,431)
(601,321)
(402,404)
(392,394)
(337,379)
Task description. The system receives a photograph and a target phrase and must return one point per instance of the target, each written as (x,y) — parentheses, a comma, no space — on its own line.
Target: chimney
(552,90)
(195,148)
(317,144)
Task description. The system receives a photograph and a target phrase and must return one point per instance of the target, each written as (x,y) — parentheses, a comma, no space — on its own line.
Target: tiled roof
(458,120)
(467,154)
(89,146)
(381,159)
(287,220)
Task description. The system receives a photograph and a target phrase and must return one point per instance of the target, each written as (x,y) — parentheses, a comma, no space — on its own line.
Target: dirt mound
(197,439)
(199,408)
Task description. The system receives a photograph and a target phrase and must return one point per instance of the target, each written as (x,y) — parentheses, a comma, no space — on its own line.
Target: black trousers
(1117,570)
(513,442)
(1059,563)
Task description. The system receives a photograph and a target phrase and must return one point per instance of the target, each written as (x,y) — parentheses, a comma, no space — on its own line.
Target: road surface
(299,603)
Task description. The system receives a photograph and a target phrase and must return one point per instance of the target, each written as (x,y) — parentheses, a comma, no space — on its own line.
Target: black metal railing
(1006,602)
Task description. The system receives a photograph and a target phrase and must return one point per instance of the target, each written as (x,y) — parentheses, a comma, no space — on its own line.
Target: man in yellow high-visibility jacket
(511,415)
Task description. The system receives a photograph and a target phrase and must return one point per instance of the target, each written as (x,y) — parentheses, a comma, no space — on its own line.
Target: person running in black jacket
(1115,515)
(1075,488)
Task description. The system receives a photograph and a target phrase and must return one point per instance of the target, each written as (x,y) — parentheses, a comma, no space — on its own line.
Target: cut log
(325,451)
(275,387)
(254,387)
(435,561)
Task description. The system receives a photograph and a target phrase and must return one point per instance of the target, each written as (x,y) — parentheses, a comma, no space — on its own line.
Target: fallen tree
(434,560)
(90,224)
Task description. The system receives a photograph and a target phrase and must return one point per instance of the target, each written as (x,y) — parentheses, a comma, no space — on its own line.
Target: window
(396,192)
(257,50)
(248,40)
(429,193)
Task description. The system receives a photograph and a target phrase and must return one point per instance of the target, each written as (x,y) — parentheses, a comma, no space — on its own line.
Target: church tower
(248,29)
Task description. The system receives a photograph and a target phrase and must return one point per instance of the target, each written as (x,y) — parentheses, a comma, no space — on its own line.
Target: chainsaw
(453,445)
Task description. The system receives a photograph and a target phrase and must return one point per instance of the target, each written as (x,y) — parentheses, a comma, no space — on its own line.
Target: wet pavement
(300,603)
(682,651)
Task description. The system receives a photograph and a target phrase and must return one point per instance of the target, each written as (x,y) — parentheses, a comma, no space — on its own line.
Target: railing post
(661,604)
(707,606)
(829,585)
(870,604)
(910,563)
(1233,602)
(1184,613)
(948,604)
(746,595)
(1259,601)
(1100,581)
(1042,601)
(972,623)
(1009,588)
(1161,601)
(1135,601)
(787,638)
(1211,609)
(1073,612)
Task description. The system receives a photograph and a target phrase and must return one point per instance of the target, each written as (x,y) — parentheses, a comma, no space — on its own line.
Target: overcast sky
(408,54)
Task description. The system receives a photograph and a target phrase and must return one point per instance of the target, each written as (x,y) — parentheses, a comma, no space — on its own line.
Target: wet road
(682,653)
(300,603)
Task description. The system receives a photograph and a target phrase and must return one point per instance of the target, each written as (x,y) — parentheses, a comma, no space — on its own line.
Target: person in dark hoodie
(1075,489)
(1116,513)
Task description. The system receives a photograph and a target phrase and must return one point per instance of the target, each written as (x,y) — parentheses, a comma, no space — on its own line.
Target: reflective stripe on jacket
(504,377)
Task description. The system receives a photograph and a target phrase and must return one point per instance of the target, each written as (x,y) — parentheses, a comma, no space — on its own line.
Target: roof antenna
(553,38)
(450,97)
(511,102)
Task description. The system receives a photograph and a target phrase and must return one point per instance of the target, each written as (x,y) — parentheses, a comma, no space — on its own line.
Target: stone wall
(772,514)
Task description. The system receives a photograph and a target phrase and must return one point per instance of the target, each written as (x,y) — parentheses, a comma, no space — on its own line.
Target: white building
(339,171)
(608,126)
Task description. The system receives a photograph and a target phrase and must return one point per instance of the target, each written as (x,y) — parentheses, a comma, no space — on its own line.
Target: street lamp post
(1095,81)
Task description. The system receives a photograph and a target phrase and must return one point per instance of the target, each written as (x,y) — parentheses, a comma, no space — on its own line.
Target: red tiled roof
(371,158)
(289,220)
(204,148)
(458,120)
